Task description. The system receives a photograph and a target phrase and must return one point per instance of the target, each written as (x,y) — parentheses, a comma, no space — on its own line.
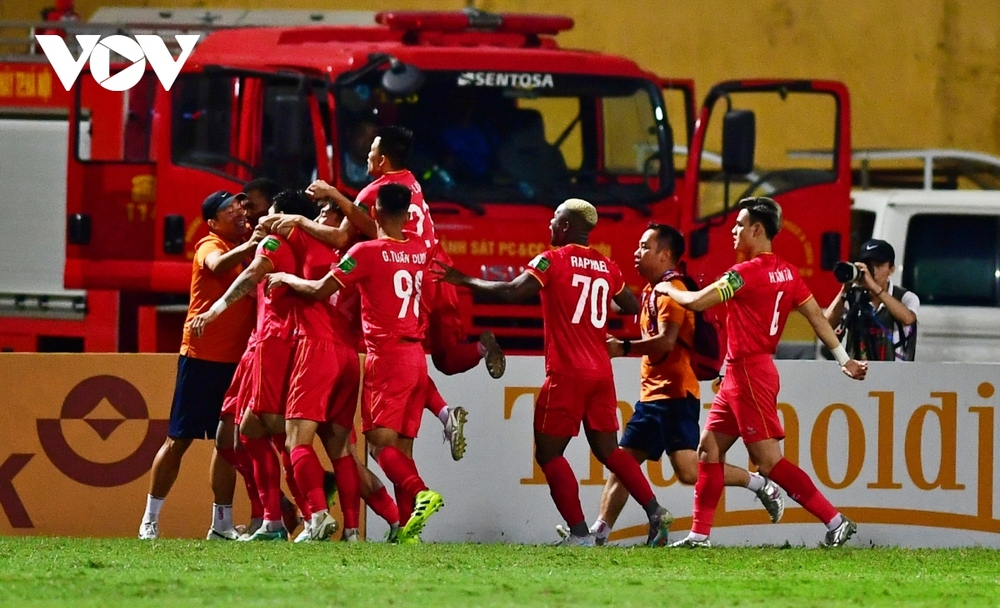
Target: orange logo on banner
(84,399)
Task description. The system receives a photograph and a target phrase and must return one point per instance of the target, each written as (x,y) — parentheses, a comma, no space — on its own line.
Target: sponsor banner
(78,435)
(909,454)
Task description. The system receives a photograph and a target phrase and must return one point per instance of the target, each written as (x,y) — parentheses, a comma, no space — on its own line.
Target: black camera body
(857,296)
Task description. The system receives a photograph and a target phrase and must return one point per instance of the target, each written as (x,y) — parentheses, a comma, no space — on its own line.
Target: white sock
(756,482)
(836,521)
(153,506)
(694,536)
(443,415)
(222,517)
(600,529)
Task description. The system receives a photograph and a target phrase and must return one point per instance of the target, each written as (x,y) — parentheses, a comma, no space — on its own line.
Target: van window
(862,227)
(951,260)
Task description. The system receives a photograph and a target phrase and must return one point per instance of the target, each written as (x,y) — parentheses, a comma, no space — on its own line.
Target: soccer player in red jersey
(577,286)
(388,273)
(759,294)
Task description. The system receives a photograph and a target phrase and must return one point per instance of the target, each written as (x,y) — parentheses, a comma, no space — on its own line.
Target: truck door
(110,197)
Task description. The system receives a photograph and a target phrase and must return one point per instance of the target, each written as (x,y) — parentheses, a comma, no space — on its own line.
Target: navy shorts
(664,425)
(198,394)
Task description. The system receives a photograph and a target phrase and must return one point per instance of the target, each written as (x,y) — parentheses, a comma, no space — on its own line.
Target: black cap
(877,251)
(217,201)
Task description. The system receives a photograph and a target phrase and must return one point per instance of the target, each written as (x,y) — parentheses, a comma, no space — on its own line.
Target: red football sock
(267,474)
(240,460)
(404,503)
(286,463)
(457,358)
(309,476)
(564,490)
(401,470)
(628,471)
(434,401)
(802,490)
(349,487)
(384,506)
(707,492)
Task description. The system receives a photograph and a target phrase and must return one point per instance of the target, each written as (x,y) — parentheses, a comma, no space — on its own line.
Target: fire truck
(507,125)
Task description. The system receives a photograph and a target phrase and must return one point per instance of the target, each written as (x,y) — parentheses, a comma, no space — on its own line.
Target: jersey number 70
(598,290)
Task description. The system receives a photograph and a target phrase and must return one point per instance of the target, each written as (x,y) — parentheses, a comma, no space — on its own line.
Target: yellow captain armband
(728,284)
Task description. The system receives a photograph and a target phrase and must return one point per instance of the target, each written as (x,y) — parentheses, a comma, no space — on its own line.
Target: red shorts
(395,389)
(444,314)
(240,390)
(271,372)
(324,383)
(747,403)
(565,401)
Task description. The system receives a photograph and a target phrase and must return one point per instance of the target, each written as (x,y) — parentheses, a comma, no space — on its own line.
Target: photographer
(879,318)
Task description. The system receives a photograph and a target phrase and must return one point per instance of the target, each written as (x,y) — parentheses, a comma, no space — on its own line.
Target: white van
(947,244)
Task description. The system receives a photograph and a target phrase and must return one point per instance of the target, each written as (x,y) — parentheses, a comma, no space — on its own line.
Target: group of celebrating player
(370,274)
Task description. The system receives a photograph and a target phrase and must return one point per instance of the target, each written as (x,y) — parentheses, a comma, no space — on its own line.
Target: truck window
(288,149)
(203,133)
(516,137)
(114,125)
(952,260)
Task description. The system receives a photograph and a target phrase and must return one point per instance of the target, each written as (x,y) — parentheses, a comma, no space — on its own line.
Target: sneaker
(289,515)
(659,527)
(496,362)
(263,533)
(230,534)
(322,528)
(255,524)
(330,488)
(571,540)
(454,431)
(428,503)
(841,534)
(564,533)
(149,530)
(351,535)
(770,496)
(303,535)
(690,543)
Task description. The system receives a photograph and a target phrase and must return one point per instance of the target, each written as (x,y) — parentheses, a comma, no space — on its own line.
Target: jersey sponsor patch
(363,207)
(540,263)
(347,264)
(728,284)
(271,243)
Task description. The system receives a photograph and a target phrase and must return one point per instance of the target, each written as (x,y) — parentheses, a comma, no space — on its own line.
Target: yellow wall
(921,72)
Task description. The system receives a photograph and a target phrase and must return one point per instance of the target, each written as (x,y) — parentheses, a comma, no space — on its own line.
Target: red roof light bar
(439,21)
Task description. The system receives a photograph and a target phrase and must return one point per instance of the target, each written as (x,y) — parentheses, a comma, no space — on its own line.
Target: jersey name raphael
(578,284)
(759,294)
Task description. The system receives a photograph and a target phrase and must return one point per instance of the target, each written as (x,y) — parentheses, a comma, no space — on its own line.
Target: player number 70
(598,290)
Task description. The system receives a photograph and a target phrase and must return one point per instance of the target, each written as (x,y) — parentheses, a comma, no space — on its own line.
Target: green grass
(87,572)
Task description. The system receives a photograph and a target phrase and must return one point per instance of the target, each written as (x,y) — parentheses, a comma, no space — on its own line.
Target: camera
(857,296)
(846,272)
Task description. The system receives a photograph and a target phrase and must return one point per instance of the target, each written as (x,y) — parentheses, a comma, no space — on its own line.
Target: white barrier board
(908,454)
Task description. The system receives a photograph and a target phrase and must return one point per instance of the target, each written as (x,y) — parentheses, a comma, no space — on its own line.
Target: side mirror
(402,79)
(739,138)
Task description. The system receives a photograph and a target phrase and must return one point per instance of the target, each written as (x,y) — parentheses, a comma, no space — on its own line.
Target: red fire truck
(507,125)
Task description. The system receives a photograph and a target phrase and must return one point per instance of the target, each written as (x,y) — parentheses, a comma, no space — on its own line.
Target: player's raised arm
(319,289)
(814,314)
(524,287)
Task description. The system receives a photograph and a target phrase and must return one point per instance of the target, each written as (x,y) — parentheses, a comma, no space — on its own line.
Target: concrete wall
(922,72)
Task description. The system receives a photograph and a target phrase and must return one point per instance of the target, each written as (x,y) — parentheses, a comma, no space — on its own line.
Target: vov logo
(144,47)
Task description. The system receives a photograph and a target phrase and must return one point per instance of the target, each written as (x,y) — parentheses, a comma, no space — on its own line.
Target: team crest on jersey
(271,243)
(347,264)
(540,263)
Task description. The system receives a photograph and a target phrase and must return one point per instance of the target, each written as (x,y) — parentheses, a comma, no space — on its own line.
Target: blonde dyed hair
(582,209)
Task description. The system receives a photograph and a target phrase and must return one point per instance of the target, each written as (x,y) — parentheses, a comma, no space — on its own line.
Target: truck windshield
(482,137)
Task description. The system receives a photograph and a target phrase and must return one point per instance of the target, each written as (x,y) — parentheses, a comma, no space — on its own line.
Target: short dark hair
(669,237)
(265,185)
(295,202)
(395,143)
(394,199)
(764,211)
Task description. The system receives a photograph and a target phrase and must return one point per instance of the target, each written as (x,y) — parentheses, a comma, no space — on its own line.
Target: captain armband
(728,284)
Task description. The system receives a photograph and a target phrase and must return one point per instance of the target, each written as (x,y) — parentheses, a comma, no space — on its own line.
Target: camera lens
(846,272)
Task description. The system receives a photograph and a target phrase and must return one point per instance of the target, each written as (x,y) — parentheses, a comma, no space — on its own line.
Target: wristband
(840,355)
(218,307)
(626,346)
(879,294)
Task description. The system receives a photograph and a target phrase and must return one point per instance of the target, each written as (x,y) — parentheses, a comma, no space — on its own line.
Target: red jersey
(578,284)
(759,294)
(420,214)
(276,316)
(319,319)
(389,274)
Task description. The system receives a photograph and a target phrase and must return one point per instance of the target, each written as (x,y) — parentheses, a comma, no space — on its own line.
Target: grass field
(86,572)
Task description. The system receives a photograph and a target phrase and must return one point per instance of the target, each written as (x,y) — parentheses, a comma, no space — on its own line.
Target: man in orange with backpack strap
(666,416)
